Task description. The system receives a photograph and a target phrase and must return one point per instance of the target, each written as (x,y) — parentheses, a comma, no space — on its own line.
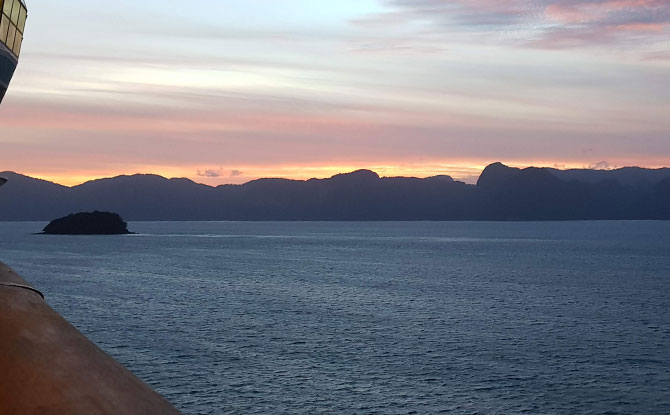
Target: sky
(226,91)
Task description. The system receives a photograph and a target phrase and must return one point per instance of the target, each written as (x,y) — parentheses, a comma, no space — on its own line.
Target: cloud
(210,173)
(663,56)
(602,165)
(470,12)
(549,24)
(218,173)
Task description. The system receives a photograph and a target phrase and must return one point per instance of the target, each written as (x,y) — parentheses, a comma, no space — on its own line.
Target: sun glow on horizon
(467,172)
(307,89)
(243,174)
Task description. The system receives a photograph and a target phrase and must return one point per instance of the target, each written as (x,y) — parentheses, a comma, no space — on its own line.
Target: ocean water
(372,318)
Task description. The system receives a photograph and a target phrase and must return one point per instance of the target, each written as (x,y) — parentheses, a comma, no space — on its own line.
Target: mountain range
(502,193)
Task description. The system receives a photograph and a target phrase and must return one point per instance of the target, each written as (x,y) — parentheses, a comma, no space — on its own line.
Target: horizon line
(466,180)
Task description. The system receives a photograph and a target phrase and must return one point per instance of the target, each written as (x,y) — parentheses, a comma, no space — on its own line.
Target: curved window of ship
(12,24)
(4,29)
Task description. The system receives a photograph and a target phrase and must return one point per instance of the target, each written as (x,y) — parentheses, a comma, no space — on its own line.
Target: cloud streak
(550,23)
(230,92)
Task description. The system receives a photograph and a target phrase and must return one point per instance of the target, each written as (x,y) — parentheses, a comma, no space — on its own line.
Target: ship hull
(48,367)
(8,64)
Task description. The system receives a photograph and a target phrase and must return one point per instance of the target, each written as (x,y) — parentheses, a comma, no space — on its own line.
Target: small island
(88,223)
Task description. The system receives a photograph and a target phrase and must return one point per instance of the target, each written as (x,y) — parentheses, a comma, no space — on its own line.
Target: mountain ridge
(501,193)
(594,175)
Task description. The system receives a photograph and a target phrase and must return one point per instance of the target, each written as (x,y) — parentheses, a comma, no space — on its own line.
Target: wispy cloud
(301,88)
(219,173)
(658,56)
(545,23)
(210,173)
(602,165)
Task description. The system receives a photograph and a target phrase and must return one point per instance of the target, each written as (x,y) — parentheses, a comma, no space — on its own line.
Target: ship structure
(47,366)
(12,24)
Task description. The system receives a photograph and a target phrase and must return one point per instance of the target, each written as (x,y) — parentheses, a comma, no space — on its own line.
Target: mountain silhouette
(502,193)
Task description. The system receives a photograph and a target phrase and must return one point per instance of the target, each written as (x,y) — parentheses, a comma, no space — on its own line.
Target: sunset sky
(225,91)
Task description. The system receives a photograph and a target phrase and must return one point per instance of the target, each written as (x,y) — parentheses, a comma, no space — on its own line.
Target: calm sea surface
(372,318)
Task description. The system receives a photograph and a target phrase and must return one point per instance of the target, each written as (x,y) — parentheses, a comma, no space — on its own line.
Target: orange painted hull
(48,367)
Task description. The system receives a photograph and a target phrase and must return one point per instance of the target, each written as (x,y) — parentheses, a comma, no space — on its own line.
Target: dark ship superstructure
(12,24)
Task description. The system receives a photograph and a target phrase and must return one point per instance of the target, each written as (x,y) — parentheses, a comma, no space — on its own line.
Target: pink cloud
(642,27)
(568,23)
(611,12)
(658,56)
